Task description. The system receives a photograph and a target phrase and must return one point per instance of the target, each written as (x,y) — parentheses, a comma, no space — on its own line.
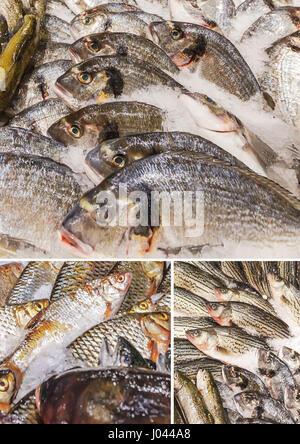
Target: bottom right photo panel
(236,342)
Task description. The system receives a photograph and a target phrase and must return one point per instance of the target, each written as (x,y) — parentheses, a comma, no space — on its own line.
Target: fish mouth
(93,174)
(65,95)
(75,56)
(74,243)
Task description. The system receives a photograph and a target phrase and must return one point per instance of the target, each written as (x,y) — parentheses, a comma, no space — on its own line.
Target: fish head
(247,402)
(203,379)
(223,294)
(179,380)
(234,378)
(208,114)
(28,311)
(89,22)
(266,363)
(88,83)
(92,46)
(290,356)
(157,326)
(8,389)
(292,397)
(220,312)
(145,306)
(77,130)
(203,339)
(177,40)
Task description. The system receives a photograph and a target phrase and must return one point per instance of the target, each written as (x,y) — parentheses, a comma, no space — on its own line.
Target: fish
(97,301)
(195,280)
(12,10)
(190,369)
(221,11)
(255,8)
(165,286)
(256,274)
(25,411)
(58,7)
(233,270)
(248,317)
(275,374)
(178,415)
(79,6)
(149,334)
(189,304)
(38,85)
(75,274)
(13,321)
(267,201)
(280,77)
(28,179)
(228,344)
(185,352)
(4,34)
(40,117)
(50,52)
(38,6)
(244,297)
(217,59)
(292,402)
(22,141)
(254,405)
(190,400)
(146,277)
(184,323)
(291,358)
(118,395)
(13,247)
(124,354)
(92,125)
(109,22)
(211,396)
(37,278)
(102,79)
(241,380)
(187,11)
(16,57)
(9,275)
(104,159)
(287,297)
(56,30)
(274,25)
(118,43)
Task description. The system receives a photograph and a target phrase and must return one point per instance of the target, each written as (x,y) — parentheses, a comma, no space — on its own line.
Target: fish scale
(195,280)
(189,304)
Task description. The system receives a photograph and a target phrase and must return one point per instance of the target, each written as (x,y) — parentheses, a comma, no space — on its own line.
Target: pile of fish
(85,343)
(97,95)
(237,349)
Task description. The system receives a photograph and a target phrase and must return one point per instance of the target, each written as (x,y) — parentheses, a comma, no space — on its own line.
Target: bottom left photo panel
(85,342)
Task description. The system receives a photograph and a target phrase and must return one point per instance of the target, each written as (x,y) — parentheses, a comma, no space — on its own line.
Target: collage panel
(85,343)
(236,343)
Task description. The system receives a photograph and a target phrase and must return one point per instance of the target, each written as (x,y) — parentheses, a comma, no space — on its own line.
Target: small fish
(190,401)
(9,275)
(16,57)
(183,324)
(27,179)
(186,11)
(189,304)
(211,396)
(291,359)
(248,317)
(102,296)
(240,380)
(275,374)
(228,344)
(109,22)
(118,396)
(218,61)
(287,296)
(40,117)
(102,79)
(92,125)
(150,334)
(257,406)
(190,369)
(130,45)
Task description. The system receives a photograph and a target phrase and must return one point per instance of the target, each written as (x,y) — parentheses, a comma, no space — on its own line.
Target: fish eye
(213,306)
(121,278)
(125,360)
(176,34)
(39,306)
(119,161)
(75,131)
(144,305)
(93,46)
(85,78)
(208,99)
(87,20)
(4,385)
(164,317)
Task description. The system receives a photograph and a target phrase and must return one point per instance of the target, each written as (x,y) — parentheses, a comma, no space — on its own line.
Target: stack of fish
(90,93)
(94,350)
(237,351)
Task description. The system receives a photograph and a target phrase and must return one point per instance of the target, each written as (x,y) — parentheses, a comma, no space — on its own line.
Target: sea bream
(96,302)
(217,58)
(181,172)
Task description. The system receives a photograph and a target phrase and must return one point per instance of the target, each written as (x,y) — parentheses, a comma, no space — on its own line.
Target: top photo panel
(150,129)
